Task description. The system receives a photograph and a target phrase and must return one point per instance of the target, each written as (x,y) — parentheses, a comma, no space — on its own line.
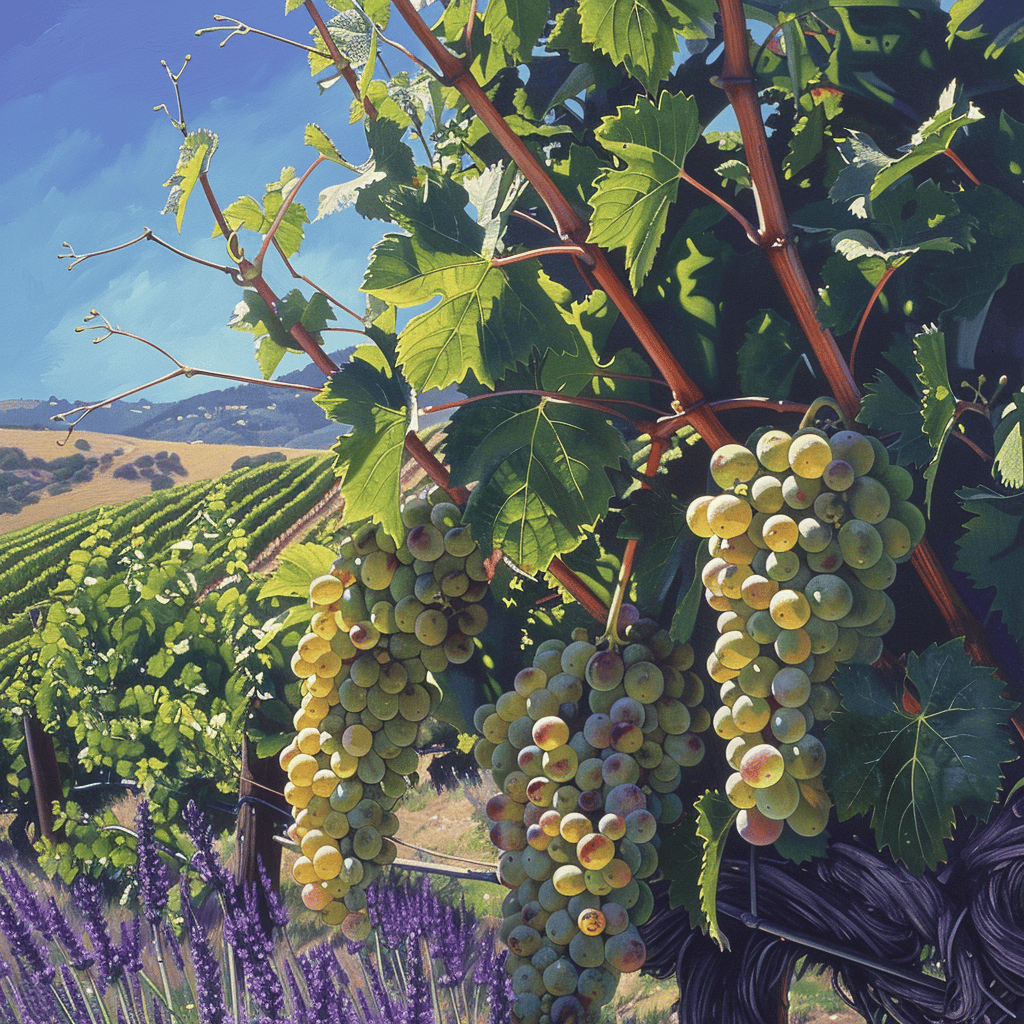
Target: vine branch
(146,236)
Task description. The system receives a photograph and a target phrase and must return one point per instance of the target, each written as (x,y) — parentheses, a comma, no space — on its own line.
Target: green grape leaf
(801,849)
(806,144)
(368,397)
(631,204)
(769,356)
(991,551)
(541,471)
(516,25)
(938,405)
(317,138)
(913,770)
(488,318)
(194,156)
(393,158)
(685,616)
(1009,443)
(679,857)
(638,34)
(300,564)
(715,818)
(886,409)
(865,160)
(247,213)
(351,31)
(340,197)
(933,137)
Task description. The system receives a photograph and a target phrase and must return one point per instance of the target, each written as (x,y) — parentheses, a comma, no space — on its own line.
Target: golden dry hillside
(200,461)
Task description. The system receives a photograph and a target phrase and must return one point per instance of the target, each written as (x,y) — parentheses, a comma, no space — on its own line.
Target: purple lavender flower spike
(68,937)
(172,944)
(420,1007)
(244,931)
(205,860)
(90,906)
(30,906)
(79,1008)
(296,993)
(275,905)
(22,945)
(209,993)
(129,953)
(380,994)
(152,873)
(158,1014)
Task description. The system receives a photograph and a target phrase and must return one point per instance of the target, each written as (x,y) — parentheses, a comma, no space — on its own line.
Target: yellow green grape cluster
(587,750)
(804,539)
(385,619)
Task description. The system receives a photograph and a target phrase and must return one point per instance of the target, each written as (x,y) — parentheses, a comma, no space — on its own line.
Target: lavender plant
(64,959)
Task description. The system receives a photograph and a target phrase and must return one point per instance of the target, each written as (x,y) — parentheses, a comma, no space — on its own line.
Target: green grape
(459,542)
(831,508)
(809,454)
(804,759)
(352,696)
(789,609)
(838,476)
(810,816)
(854,448)
(755,678)
(782,565)
(799,492)
(426,588)
(829,597)
(814,535)
(867,606)
(912,518)
(898,482)
(868,500)
(739,793)
(445,515)
(575,657)
(793,646)
(884,622)
(880,576)
(895,538)
(780,800)
(382,704)
(788,725)
(402,583)
(762,627)
(406,612)
(378,570)
(860,544)
(791,687)
(365,670)
(426,543)
(736,649)
(823,634)
(751,714)
(869,650)
(431,627)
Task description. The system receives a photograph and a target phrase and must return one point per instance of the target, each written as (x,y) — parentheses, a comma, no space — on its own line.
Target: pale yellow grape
(738,746)
(766,494)
(729,515)
(811,814)
(772,450)
(809,455)
(793,646)
(697,516)
(724,724)
(736,649)
(895,537)
(762,766)
(326,589)
(739,793)
(758,591)
(732,464)
(779,800)
(751,714)
(736,550)
(788,725)
(730,580)
(789,609)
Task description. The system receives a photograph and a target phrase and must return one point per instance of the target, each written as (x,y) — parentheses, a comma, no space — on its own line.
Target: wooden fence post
(45,774)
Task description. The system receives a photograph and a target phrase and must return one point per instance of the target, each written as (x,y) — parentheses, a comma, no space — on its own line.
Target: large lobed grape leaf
(631,204)
(541,466)
(488,318)
(992,551)
(367,395)
(913,770)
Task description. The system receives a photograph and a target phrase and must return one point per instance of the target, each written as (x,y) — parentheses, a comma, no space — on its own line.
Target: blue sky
(86,160)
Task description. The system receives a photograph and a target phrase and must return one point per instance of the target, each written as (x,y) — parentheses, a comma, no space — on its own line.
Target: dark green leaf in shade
(270,330)
(575,176)
(991,551)
(806,144)
(516,25)
(1004,140)
(300,564)
(864,161)
(1008,464)
(638,34)
(599,569)
(679,858)
(715,818)
(567,35)
(965,287)
(685,616)
(912,771)
(488,318)
(194,155)
(541,471)
(887,410)
(801,849)
(848,286)
(391,157)
(938,405)
(769,356)
(365,395)
(631,205)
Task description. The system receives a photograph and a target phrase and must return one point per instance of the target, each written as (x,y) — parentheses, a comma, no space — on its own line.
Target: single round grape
(838,475)
(729,515)
(860,544)
(827,560)
(735,550)
(829,597)
(644,682)
(782,565)
(779,800)
(811,814)
(895,538)
(791,686)
(814,535)
(724,724)
(823,634)
(753,534)
(788,725)
(854,448)
(762,628)
(780,533)
(772,450)
(576,656)
(804,759)
(793,646)
(758,829)
(869,650)
(732,464)
(880,576)
(809,454)
(625,952)
(762,766)
(751,714)
(736,649)
(885,621)
(697,516)
(912,518)
(757,591)
(766,494)
(731,578)
(800,492)
(868,500)
(756,677)
(868,604)
(831,508)
(789,609)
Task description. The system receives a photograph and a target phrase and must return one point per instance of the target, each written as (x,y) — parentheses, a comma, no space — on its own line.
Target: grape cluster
(804,538)
(587,750)
(385,620)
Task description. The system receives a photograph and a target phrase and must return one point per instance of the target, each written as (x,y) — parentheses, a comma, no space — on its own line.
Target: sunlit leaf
(194,156)
(715,818)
